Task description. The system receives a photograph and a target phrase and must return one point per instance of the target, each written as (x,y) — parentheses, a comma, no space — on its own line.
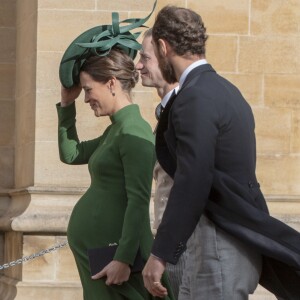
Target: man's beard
(166,68)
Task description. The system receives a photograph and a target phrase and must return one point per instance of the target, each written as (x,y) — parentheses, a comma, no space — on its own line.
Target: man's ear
(163,48)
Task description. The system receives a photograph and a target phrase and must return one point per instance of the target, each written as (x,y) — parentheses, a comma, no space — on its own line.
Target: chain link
(33,256)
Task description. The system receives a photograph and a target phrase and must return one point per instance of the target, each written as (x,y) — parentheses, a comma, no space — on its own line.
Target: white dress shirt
(167,97)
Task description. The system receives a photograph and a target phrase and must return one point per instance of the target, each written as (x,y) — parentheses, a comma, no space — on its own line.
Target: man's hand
(116,273)
(152,274)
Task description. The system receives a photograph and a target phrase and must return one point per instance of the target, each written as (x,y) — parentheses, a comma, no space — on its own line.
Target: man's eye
(145,58)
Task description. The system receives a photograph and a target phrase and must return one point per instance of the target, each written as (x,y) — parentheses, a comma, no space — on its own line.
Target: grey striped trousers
(218,266)
(175,274)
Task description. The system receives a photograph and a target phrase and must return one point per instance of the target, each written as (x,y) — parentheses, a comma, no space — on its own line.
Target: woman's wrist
(65,103)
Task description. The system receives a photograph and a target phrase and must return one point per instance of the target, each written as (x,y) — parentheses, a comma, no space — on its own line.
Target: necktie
(158,110)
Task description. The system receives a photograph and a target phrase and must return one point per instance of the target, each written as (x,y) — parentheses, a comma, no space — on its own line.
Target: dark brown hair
(182,28)
(115,64)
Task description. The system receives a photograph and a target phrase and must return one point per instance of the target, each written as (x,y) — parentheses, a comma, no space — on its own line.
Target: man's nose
(86,98)
(139,66)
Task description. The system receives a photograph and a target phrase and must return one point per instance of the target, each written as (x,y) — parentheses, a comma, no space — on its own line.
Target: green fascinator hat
(99,41)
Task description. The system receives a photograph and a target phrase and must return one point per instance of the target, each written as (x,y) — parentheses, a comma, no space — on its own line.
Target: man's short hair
(148,33)
(182,28)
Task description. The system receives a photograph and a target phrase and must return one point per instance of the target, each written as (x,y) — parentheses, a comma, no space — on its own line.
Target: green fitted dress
(115,208)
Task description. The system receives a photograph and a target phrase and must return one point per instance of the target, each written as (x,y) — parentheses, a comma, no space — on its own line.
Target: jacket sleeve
(195,125)
(71,150)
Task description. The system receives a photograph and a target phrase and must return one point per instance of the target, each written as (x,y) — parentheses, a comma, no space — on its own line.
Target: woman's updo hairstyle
(115,64)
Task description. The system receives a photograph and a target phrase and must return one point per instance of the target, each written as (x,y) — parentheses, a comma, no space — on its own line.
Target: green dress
(115,208)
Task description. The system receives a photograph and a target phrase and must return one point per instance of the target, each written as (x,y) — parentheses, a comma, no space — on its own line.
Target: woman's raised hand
(68,95)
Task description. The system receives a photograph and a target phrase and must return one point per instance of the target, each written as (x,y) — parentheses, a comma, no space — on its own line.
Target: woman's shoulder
(137,127)
(135,123)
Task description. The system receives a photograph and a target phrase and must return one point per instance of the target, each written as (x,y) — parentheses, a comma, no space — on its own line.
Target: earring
(113,94)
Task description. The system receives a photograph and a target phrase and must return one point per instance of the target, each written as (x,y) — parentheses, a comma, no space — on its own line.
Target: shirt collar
(166,98)
(189,69)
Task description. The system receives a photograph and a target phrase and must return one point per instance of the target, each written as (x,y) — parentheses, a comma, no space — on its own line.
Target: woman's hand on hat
(69,95)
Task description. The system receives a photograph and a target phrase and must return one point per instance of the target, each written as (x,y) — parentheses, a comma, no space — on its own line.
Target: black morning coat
(205,140)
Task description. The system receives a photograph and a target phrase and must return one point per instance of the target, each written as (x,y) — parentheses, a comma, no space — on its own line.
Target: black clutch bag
(100,257)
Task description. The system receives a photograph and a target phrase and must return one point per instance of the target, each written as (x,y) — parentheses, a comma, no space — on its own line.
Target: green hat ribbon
(99,41)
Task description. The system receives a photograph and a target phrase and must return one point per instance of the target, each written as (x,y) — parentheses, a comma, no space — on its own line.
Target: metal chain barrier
(33,256)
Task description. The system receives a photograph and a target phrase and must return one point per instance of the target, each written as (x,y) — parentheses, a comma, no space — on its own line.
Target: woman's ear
(111,84)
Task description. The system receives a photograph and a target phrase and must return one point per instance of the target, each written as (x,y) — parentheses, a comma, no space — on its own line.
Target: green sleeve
(71,150)
(138,157)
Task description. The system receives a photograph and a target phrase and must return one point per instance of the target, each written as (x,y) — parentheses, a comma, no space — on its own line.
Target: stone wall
(7,112)
(7,85)
(253,43)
